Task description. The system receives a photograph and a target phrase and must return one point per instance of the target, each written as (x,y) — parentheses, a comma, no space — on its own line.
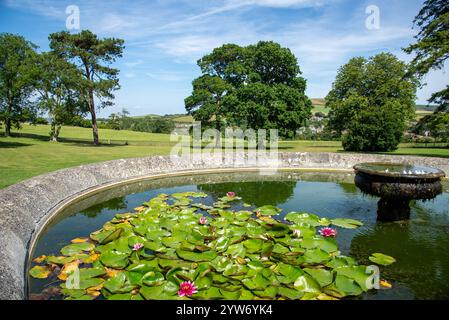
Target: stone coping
(26,207)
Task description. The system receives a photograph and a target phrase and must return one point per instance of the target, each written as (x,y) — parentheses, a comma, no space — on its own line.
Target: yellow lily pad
(40,272)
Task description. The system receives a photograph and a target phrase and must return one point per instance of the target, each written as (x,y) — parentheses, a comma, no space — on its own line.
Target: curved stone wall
(27,206)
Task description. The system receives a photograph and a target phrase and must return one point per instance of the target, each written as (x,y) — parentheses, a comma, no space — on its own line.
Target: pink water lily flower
(137,246)
(230,194)
(187,288)
(296,233)
(203,220)
(328,232)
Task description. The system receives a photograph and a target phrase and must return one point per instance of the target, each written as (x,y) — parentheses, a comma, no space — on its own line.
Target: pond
(419,245)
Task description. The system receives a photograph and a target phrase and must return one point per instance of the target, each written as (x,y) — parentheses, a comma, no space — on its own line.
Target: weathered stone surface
(25,207)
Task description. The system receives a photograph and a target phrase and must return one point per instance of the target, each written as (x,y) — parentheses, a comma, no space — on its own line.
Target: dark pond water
(420,245)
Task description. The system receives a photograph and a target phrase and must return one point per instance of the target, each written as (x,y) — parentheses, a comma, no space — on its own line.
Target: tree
(371,102)
(114,121)
(273,97)
(432,47)
(206,102)
(56,82)
(16,86)
(436,124)
(92,56)
(258,86)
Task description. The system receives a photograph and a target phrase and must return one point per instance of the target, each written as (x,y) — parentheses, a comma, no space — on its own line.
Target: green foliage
(57,84)
(436,125)
(92,56)
(206,102)
(432,45)
(381,259)
(258,86)
(154,124)
(371,102)
(16,85)
(251,257)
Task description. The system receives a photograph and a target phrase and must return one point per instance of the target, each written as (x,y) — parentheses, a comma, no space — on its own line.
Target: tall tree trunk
(218,135)
(94,118)
(7,127)
(58,129)
(54,131)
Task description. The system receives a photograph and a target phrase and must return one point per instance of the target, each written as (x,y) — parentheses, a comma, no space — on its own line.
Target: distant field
(29,153)
(184,119)
(318,106)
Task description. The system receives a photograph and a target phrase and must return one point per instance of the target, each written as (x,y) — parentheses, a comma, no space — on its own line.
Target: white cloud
(130,75)
(132,64)
(166,76)
(41,7)
(286,3)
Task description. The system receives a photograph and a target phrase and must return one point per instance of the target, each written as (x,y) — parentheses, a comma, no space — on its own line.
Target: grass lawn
(29,153)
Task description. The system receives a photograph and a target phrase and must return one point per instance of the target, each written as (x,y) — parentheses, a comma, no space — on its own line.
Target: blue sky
(165,38)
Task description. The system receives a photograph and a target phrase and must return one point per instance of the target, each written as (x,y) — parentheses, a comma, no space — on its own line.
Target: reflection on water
(258,194)
(419,245)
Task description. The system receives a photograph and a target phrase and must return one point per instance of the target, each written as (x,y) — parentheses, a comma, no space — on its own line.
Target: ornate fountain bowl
(396,184)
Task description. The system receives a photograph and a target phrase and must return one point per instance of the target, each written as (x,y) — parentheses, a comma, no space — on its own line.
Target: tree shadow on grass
(12,144)
(74,141)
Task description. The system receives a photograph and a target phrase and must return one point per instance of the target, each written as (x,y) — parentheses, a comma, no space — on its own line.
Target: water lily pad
(382,259)
(347,286)
(76,248)
(79,240)
(196,256)
(303,219)
(114,284)
(152,278)
(289,293)
(40,272)
(268,210)
(346,223)
(114,259)
(306,283)
(322,276)
(253,245)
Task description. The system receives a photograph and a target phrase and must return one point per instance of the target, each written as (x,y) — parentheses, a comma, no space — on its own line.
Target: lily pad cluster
(173,241)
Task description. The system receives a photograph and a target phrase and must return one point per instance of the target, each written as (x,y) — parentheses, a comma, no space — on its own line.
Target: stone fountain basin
(398,180)
(376,171)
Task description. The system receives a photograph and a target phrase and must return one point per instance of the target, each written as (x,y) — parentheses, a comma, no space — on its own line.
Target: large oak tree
(257,86)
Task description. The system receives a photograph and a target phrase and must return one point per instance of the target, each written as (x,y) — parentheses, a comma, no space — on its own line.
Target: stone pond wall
(27,206)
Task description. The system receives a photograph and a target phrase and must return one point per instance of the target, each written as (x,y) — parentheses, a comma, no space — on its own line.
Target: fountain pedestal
(396,185)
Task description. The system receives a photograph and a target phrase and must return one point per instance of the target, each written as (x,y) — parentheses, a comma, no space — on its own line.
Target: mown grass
(29,153)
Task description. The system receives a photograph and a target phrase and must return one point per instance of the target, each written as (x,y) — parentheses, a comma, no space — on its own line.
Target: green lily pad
(268,210)
(346,223)
(76,248)
(196,256)
(114,259)
(306,283)
(382,259)
(322,276)
(152,278)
